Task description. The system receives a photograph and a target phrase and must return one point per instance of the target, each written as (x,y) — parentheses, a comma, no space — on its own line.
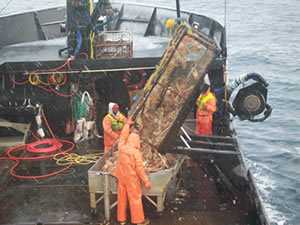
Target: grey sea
(263,36)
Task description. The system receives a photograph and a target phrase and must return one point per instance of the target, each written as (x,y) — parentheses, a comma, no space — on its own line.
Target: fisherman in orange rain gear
(206,106)
(130,173)
(170,25)
(112,123)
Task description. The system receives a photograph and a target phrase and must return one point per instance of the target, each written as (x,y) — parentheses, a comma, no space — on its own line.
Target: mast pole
(178,10)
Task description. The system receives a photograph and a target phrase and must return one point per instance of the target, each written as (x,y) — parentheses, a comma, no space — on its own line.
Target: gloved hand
(129,121)
(148,185)
(71,58)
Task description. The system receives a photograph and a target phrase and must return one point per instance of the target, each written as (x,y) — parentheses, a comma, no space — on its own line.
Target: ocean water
(263,36)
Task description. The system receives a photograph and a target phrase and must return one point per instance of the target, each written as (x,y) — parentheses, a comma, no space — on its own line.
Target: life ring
(132,87)
(52,143)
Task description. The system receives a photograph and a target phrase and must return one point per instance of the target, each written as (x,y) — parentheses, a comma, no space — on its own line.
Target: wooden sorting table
(102,185)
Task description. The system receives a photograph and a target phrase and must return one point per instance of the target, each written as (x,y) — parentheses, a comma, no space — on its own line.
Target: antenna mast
(178,10)
(225,26)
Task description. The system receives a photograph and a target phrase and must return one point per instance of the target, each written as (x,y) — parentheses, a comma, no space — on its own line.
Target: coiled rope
(64,159)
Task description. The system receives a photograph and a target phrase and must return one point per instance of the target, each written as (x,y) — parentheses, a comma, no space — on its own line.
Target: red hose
(51,90)
(19,82)
(52,80)
(55,146)
(10,151)
(66,63)
(17,159)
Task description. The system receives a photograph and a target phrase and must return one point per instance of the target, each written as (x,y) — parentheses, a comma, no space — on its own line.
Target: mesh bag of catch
(169,92)
(168,95)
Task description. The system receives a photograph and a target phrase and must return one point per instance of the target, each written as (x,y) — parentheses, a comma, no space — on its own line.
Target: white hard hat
(206,80)
(110,107)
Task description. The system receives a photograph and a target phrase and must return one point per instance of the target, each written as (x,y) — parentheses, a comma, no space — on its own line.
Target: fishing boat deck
(64,199)
(199,197)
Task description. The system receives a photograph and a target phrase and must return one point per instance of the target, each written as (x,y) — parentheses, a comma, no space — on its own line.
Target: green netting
(79,110)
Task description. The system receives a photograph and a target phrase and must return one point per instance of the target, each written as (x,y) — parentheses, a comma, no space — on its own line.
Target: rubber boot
(146,222)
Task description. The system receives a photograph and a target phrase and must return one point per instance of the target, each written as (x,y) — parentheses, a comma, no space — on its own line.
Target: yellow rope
(57,79)
(75,159)
(92,34)
(91,6)
(34,79)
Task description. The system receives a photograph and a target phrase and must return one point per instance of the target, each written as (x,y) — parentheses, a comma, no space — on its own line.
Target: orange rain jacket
(206,106)
(112,126)
(130,173)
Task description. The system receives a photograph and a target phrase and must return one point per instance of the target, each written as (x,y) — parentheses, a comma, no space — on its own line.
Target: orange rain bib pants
(112,126)
(130,173)
(204,118)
